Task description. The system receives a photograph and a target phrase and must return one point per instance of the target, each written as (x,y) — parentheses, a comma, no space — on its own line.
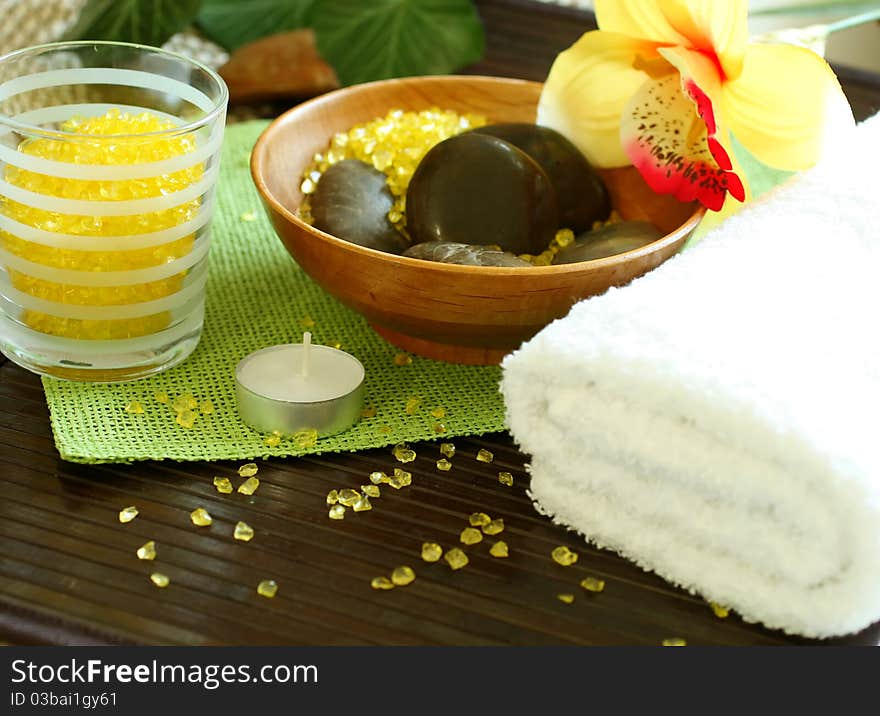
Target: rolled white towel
(718,420)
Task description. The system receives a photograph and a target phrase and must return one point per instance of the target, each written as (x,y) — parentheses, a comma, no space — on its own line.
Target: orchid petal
(641,19)
(587,89)
(786,107)
(718,28)
(700,81)
(667,141)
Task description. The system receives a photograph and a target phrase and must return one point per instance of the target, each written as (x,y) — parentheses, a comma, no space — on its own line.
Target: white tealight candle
(296,387)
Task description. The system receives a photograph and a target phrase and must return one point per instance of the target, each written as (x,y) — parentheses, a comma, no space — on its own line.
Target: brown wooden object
(285,65)
(461,314)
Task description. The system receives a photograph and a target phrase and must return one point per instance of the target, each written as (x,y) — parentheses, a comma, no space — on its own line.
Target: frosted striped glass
(109,157)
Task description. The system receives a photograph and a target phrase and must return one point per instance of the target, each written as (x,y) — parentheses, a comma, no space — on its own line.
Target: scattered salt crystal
(147,551)
(200,517)
(127,514)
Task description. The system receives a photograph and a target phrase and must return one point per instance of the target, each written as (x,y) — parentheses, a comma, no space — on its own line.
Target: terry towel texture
(718,420)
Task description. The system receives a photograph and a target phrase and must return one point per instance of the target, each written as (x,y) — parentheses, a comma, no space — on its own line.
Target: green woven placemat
(256,297)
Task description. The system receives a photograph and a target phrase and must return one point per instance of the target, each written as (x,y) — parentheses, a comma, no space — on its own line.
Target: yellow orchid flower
(663,83)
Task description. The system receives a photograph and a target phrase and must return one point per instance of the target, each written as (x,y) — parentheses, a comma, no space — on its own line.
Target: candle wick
(307,350)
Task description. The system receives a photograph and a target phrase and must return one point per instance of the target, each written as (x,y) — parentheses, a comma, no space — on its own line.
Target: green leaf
(394,38)
(233,23)
(147,22)
(761,177)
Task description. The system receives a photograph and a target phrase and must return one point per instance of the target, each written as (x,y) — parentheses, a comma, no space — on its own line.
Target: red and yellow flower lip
(663,84)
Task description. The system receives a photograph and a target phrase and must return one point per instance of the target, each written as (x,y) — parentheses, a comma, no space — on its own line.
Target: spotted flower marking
(667,141)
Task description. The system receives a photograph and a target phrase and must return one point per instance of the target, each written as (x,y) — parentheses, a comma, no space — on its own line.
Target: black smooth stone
(352,202)
(608,241)
(464,254)
(581,193)
(477,189)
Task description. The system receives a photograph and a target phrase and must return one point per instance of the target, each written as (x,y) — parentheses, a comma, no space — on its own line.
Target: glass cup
(109,156)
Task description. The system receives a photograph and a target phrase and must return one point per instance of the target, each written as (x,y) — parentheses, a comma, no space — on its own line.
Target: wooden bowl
(461,314)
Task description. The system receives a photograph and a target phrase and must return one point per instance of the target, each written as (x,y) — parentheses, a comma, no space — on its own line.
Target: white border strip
(127,207)
(129,242)
(63,112)
(27,339)
(104,312)
(110,172)
(107,278)
(106,76)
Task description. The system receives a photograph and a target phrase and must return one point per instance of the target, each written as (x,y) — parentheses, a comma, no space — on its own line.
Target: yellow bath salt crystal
(396,482)
(369,412)
(495,527)
(506,479)
(382,583)
(402,359)
(444,465)
(147,551)
(127,514)
(593,584)
(206,407)
(402,453)
(564,556)
(545,258)
(362,505)
(338,346)
(249,486)
(469,535)
(267,588)
(161,397)
(413,405)
(305,439)
(243,532)
(248,469)
(200,517)
(565,598)
(91,148)
(439,412)
(404,476)
(248,216)
(401,576)
(431,551)
(160,580)
(439,428)
(223,485)
(447,449)
(674,641)
(348,497)
(378,477)
(393,144)
(499,549)
(479,519)
(719,611)
(371,490)
(186,418)
(563,238)
(272,441)
(456,558)
(332,497)
(184,402)
(337,512)
(134,407)
(485,456)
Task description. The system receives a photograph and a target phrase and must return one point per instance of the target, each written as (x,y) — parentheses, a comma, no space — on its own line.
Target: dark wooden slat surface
(68,573)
